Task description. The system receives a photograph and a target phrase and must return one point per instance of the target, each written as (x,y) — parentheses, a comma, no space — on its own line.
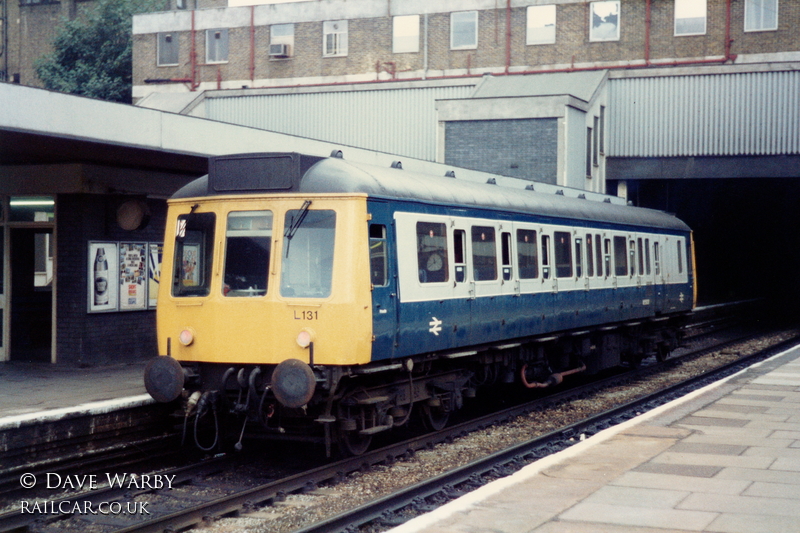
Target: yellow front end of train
(261,279)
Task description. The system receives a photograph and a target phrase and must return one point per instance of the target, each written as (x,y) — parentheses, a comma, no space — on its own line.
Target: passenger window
(526,254)
(647,256)
(377,255)
(563,251)
(589,256)
(633,257)
(657,257)
(506,255)
(484,253)
(460,245)
(620,256)
(641,256)
(545,256)
(599,251)
(432,257)
(248,239)
(308,244)
(578,258)
(194,246)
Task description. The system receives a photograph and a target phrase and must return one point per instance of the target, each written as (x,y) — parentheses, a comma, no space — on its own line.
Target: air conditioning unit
(279,50)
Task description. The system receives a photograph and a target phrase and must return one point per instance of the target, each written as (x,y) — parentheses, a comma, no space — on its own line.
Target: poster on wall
(132,276)
(154,272)
(102,277)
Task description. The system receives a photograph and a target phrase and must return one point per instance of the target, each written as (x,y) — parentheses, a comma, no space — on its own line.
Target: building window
(405,34)
(601,131)
(604,24)
(760,15)
(334,38)
(595,143)
(464,30)
(541,24)
(690,17)
(281,40)
(167,49)
(217,46)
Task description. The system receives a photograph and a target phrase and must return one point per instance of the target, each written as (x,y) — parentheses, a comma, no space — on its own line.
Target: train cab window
(599,251)
(248,238)
(657,257)
(377,255)
(484,253)
(640,248)
(589,256)
(545,257)
(579,257)
(680,256)
(194,247)
(506,255)
(563,254)
(308,244)
(620,256)
(527,262)
(460,254)
(648,269)
(432,256)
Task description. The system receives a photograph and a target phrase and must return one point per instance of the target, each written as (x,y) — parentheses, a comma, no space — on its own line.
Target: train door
(383,277)
(659,294)
(646,272)
(533,285)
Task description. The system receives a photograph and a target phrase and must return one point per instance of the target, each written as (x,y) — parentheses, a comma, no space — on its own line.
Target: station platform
(723,459)
(37,390)
(54,412)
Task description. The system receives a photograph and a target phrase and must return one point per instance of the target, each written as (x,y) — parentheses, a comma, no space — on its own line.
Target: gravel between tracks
(358,488)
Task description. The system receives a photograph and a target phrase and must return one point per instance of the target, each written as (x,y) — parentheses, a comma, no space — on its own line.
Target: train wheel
(351,443)
(435,418)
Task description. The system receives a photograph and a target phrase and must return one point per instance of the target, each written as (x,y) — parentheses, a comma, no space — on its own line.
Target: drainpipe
(252,44)
(647,34)
(728,40)
(508,35)
(193,55)
(425,48)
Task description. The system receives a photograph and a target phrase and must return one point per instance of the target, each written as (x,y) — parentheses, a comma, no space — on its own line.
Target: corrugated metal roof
(582,85)
(396,121)
(755,113)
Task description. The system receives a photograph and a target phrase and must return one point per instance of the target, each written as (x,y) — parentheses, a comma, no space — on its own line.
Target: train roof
(296,173)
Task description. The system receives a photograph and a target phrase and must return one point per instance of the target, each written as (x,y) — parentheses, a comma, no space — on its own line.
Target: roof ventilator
(337,154)
(397,164)
(529,187)
(450,174)
(560,192)
(491,181)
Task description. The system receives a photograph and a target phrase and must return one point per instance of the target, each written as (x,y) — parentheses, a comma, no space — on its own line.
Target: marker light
(186,337)
(304,339)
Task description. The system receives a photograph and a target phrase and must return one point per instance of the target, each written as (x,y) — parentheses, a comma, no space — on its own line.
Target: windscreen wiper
(292,228)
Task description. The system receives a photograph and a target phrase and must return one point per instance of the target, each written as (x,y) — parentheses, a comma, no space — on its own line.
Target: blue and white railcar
(367,291)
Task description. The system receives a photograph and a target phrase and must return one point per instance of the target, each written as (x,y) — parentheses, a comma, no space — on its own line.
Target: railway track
(204,499)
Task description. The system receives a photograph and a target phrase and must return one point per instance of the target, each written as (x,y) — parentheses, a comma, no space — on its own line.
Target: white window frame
(338,30)
(459,18)
(750,6)
(276,36)
(684,9)
(405,34)
(162,39)
(541,18)
(211,36)
(602,8)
